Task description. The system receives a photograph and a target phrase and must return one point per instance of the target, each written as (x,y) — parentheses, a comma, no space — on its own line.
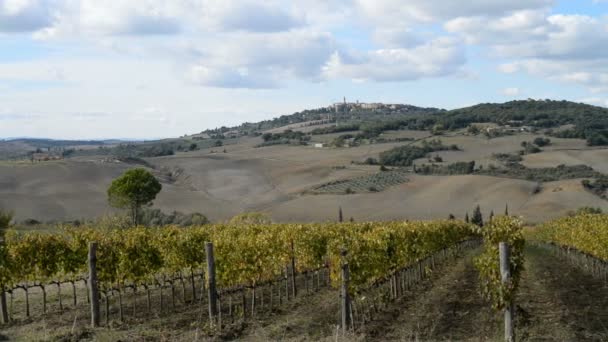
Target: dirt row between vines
(559,302)
(556,302)
(430,310)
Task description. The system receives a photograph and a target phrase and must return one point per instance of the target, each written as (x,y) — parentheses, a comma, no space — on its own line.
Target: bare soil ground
(597,159)
(481,149)
(309,318)
(274,179)
(558,302)
(445,307)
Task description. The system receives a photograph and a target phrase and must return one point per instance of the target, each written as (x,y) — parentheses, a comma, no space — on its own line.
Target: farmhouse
(231,134)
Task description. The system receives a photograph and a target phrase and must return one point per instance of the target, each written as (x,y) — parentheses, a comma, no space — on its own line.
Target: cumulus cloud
(117,17)
(153,17)
(226,77)
(249,16)
(429,10)
(514,28)
(439,57)
(510,92)
(396,37)
(25,15)
(596,101)
(256,60)
(563,48)
(264,44)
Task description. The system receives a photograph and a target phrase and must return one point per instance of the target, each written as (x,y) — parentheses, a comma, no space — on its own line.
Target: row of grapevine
(587,233)
(367,301)
(580,239)
(509,230)
(246,255)
(500,266)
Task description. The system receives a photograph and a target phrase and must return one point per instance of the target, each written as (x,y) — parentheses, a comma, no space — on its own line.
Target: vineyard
(580,239)
(359,271)
(585,232)
(371,183)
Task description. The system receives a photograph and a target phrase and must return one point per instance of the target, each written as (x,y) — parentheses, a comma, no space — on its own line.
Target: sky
(142,69)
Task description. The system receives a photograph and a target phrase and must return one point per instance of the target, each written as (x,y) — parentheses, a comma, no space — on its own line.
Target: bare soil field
(274,179)
(299,127)
(425,197)
(481,149)
(597,158)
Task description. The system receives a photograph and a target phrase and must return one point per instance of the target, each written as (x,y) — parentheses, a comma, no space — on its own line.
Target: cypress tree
(466,217)
(340,217)
(506,209)
(477,217)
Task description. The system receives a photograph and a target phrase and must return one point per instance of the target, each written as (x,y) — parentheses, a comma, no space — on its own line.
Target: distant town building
(341,107)
(371,106)
(232,134)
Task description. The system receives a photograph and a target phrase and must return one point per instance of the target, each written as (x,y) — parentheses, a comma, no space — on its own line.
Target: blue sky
(154,68)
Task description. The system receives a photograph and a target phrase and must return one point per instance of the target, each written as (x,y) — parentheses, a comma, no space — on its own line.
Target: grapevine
(246,254)
(586,232)
(500,229)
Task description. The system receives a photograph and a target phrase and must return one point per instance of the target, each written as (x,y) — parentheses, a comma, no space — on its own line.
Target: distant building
(320,145)
(232,134)
(372,106)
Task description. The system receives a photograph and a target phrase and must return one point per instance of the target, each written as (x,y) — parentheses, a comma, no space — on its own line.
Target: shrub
(540,141)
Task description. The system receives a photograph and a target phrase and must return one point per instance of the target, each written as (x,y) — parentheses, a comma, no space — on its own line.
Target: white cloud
(591,73)
(249,16)
(256,60)
(398,37)
(596,101)
(146,59)
(117,17)
(510,92)
(25,15)
(225,77)
(154,17)
(563,48)
(508,68)
(430,10)
(514,28)
(439,57)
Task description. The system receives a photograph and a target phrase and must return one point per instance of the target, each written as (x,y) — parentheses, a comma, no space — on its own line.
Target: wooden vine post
(294,288)
(505,273)
(344,296)
(93,284)
(212,290)
(3,304)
